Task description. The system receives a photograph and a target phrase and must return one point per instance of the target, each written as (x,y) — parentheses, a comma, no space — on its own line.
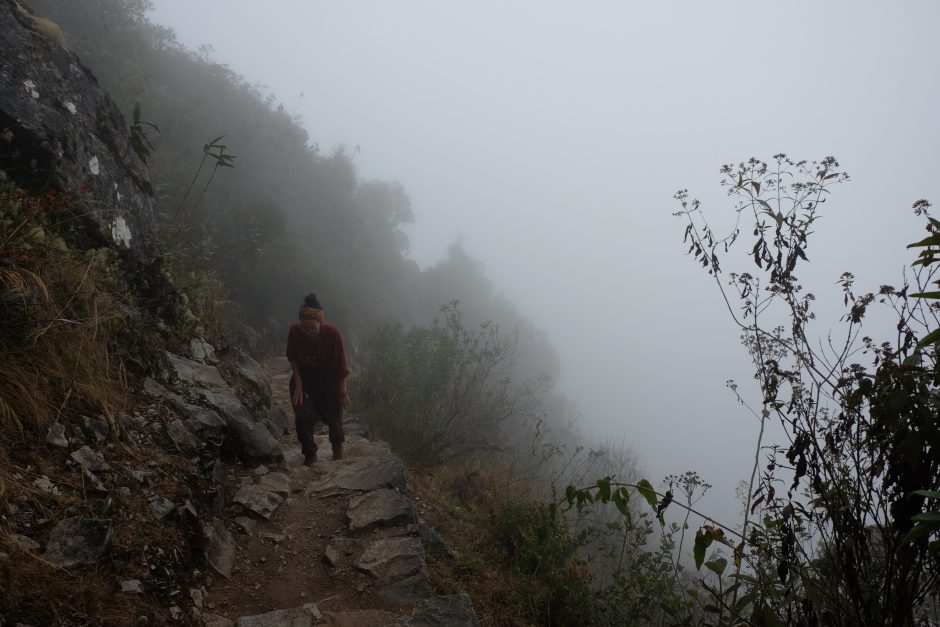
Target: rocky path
(337,543)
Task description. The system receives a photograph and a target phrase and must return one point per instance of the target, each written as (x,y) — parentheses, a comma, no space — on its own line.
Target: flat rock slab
(258,499)
(214,620)
(161,506)
(453,610)
(147,478)
(90,459)
(303,616)
(376,470)
(393,559)
(364,618)
(78,540)
(412,588)
(220,548)
(380,508)
(276,482)
(181,437)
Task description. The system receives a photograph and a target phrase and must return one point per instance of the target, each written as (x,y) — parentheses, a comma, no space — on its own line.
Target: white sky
(551,136)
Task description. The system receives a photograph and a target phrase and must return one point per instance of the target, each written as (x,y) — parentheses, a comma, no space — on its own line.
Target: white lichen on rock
(93,165)
(120,232)
(30,87)
(70,106)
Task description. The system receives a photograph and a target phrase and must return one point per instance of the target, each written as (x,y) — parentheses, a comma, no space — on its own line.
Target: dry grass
(464,502)
(59,322)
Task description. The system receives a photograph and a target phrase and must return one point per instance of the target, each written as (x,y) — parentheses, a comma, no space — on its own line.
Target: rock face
(65,131)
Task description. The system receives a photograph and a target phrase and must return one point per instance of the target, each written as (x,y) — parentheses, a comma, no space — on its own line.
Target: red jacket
(322,360)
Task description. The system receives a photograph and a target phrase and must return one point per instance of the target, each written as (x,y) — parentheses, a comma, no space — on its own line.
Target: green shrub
(442,391)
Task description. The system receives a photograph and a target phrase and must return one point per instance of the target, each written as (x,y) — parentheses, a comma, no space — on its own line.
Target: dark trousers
(317,406)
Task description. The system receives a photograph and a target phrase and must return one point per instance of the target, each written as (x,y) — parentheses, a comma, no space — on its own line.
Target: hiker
(318,385)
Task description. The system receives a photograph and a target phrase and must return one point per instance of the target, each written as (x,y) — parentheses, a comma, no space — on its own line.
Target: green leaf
(570,493)
(744,601)
(645,488)
(931,338)
(603,490)
(717,565)
(702,542)
(917,532)
(927,517)
(621,499)
(926,295)
(933,240)
(930,494)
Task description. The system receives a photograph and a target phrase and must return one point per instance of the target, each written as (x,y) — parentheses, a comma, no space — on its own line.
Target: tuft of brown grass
(60,322)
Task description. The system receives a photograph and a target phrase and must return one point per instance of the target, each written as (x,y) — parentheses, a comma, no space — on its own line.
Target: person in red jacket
(318,385)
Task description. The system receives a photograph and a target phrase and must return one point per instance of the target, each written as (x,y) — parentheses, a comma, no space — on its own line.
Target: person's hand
(298,397)
(344,400)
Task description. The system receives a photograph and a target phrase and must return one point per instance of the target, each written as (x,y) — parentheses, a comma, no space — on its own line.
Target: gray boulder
(393,559)
(258,499)
(206,384)
(454,610)
(77,541)
(380,508)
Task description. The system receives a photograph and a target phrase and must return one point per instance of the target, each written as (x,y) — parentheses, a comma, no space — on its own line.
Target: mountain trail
(337,543)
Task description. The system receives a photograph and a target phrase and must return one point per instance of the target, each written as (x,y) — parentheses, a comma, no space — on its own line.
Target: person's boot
(337,451)
(310,460)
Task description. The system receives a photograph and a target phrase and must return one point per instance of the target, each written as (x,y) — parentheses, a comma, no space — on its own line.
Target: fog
(549,138)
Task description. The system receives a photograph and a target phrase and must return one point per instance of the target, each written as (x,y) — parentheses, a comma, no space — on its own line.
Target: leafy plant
(215,152)
(140,140)
(840,500)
